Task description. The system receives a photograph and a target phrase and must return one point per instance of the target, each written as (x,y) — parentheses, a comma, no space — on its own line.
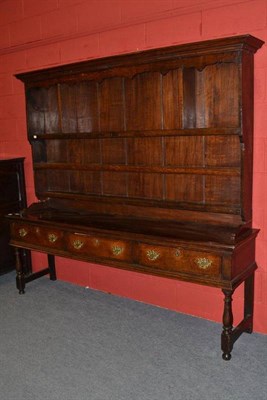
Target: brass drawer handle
(117,250)
(203,262)
(177,253)
(78,244)
(152,255)
(23,232)
(52,237)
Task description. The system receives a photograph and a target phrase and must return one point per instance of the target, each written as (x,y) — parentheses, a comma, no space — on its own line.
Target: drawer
(49,237)
(23,232)
(36,235)
(94,246)
(178,259)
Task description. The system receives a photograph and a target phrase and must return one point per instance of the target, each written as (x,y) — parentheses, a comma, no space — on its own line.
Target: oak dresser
(143,161)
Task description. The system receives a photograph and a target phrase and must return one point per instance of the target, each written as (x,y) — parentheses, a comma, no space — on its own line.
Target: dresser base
(229,333)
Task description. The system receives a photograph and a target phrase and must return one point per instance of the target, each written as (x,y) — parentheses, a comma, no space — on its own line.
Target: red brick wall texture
(38,34)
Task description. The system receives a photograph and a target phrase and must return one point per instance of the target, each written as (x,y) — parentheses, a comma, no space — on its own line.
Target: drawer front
(23,232)
(31,234)
(99,247)
(160,258)
(178,259)
(49,237)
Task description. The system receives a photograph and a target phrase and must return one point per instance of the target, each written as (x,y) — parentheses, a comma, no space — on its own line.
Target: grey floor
(60,341)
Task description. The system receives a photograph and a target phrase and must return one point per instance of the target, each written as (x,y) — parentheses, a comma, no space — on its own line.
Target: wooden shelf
(145,133)
(222,171)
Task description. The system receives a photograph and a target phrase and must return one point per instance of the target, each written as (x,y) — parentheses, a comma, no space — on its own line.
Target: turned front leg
(227,340)
(20,278)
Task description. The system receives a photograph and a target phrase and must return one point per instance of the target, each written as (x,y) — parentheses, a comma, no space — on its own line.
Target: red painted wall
(37,34)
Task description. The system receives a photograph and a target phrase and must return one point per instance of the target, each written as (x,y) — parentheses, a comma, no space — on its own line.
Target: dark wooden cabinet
(12,200)
(144,162)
